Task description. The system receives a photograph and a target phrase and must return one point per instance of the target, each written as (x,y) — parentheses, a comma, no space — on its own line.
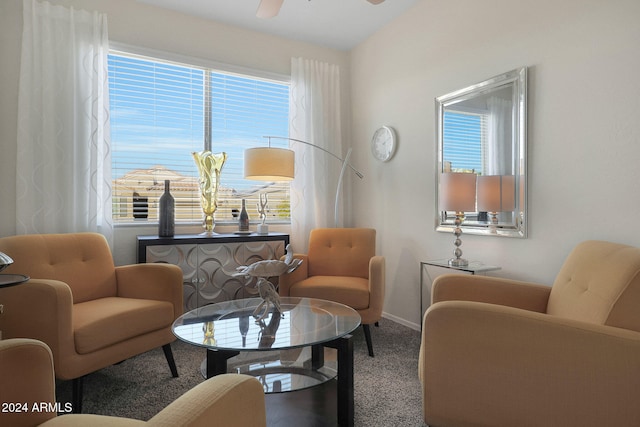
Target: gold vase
(209,333)
(209,168)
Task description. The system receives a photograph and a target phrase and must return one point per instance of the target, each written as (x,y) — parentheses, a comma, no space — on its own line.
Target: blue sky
(157,116)
(463,140)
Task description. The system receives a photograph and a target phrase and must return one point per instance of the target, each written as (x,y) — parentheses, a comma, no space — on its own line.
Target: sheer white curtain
(499,134)
(64,161)
(315,118)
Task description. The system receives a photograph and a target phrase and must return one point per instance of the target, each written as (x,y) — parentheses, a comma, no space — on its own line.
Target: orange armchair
(27,379)
(497,352)
(90,313)
(342,266)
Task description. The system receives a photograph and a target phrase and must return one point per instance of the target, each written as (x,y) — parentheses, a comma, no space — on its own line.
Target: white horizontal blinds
(243,111)
(464,138)
(158,111)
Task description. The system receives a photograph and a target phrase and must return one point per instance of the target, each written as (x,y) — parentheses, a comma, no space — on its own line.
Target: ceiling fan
(270,8)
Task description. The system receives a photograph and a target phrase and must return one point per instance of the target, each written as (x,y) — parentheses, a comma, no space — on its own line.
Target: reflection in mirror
(481,130)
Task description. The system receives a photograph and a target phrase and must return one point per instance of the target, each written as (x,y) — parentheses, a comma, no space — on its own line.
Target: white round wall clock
(383,143)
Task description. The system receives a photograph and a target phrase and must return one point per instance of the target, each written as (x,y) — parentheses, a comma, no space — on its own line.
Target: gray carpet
(387,389)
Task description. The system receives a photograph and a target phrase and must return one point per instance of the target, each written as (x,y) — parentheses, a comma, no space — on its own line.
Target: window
(162,111)
(465,136)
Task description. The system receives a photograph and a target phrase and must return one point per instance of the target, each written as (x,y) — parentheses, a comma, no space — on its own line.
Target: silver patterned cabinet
(208,263)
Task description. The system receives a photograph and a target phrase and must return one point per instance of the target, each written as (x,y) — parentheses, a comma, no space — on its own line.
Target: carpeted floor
(387,389)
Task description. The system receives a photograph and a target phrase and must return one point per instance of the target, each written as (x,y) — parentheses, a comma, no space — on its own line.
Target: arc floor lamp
(277,164)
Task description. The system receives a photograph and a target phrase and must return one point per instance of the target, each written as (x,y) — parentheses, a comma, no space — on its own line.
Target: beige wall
(136,24)
(584,128)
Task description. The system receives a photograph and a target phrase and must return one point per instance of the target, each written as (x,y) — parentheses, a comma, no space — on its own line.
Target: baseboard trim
(414,326)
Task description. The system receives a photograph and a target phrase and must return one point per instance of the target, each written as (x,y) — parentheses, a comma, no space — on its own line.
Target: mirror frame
(517,79)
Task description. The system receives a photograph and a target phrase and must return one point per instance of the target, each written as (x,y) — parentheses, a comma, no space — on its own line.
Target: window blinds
(464,137)
(163,111)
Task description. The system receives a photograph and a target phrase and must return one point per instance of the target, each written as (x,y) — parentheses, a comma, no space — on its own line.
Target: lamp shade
(458,192)
(269,164)
(496,193)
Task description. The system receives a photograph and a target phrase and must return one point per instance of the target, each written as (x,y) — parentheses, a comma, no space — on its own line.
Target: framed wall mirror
(481,130)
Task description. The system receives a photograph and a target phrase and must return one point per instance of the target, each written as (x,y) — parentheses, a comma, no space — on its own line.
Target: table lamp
(496,193)
(458,194)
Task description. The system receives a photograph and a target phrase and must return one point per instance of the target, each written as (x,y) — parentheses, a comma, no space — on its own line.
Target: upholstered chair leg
(367,336)
(168,354)
(76,395)
(377,324)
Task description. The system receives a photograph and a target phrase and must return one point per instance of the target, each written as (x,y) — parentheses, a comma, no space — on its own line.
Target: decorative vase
(209,333)
(243,222)
(209,167)
(166,220)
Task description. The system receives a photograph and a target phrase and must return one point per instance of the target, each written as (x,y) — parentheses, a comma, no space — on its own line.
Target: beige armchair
(27,383)
(341,265)
(90,313)
(496,352)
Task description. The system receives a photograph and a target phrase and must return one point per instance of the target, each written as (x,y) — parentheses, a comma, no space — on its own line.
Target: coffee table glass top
(7,280)
(230,325)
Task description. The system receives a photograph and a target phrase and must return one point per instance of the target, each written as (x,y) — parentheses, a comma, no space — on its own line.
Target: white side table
(474,267)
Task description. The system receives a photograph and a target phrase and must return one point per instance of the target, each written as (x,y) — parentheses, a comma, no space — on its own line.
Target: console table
(474,267)
(209,262)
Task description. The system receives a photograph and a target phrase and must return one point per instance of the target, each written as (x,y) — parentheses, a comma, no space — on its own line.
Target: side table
(474,267)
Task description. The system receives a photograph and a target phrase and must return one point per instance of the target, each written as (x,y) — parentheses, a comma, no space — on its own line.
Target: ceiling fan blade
(375,1)
(268,8)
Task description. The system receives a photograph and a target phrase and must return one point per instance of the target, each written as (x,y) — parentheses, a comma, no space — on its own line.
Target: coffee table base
(216,364)
(278,378)
(315,406)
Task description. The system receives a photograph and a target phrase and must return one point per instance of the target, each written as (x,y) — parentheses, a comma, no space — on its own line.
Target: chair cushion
(81,260)
(351,291)
(599,283)
(106,321)
(341,251)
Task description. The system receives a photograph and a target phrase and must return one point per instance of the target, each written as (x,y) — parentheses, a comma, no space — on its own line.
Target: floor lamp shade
(269,164)
(458,192)
(277,164)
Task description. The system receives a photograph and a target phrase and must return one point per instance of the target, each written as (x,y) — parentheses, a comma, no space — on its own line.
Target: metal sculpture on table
(262,206)
(267,334)
(263,270)
(5,261)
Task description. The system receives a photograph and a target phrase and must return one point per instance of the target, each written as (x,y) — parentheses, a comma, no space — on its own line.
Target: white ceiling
(339,24)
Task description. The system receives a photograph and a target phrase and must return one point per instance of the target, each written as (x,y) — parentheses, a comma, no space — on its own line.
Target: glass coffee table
(276,345)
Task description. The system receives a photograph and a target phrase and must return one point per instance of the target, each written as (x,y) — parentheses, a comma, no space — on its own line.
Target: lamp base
(458,262)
